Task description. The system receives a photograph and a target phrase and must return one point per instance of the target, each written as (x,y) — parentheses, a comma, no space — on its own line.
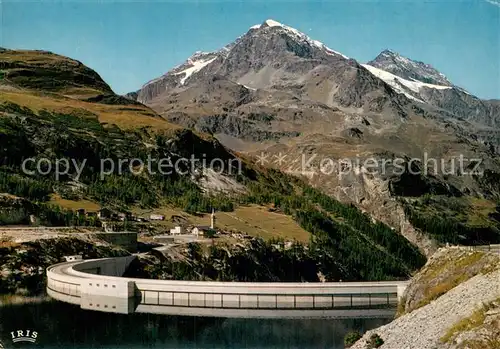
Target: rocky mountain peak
(409,69)
(293,33)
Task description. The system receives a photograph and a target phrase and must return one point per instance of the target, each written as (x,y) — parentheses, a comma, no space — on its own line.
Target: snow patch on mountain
(197,65)
(401,85)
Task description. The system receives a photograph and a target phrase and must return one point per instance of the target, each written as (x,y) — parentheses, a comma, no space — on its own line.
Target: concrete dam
(97,285)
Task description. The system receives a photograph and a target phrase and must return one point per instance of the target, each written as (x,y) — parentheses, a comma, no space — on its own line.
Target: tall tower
(212,219)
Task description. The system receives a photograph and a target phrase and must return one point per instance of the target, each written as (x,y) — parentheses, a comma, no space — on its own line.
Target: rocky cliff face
(465,106)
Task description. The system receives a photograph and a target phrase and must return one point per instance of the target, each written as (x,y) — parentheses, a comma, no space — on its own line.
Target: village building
(157,217)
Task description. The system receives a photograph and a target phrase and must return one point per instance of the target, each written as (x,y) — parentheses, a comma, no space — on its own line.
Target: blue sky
(131,42)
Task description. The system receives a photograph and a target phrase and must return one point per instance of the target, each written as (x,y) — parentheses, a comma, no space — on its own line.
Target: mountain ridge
(397,64)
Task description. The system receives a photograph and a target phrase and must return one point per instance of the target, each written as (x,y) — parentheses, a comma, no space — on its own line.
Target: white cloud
(494,2)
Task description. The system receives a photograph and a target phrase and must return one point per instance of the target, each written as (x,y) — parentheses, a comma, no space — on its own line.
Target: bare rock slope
(453,302)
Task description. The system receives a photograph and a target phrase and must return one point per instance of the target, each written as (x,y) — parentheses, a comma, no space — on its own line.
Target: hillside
(38,123)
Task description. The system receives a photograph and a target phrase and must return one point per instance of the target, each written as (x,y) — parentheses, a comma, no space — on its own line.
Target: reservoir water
(63,326)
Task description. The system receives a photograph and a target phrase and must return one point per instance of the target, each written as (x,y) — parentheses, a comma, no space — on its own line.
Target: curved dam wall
(96,285)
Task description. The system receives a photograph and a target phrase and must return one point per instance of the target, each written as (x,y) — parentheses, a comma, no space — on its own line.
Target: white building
(157,217)
(176,231)
(199,230)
